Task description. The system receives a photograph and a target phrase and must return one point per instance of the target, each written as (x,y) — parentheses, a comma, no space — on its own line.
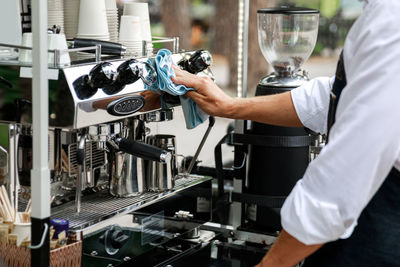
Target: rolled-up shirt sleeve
(364,142)
(311,102)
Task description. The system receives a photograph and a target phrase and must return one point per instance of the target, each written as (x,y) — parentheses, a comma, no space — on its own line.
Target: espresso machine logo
(125,105)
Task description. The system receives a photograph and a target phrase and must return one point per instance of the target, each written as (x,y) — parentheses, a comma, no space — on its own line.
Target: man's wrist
(233,108)
(270,260)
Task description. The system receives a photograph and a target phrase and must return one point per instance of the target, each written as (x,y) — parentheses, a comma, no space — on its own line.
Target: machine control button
(102,75)
(125,105)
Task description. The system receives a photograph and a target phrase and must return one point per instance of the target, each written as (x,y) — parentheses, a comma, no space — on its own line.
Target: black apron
(376,239)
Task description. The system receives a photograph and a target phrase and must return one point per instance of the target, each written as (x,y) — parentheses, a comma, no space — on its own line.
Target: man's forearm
(287,251)
(272,109)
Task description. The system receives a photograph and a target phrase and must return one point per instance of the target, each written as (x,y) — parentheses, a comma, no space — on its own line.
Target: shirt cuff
(311,102)
(310,220)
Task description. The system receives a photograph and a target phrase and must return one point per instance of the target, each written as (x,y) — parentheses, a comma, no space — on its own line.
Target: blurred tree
(175,16)
(257,65)
(225,26)
(329,8)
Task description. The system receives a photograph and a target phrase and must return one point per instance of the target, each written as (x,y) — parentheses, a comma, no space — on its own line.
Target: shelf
(101,206)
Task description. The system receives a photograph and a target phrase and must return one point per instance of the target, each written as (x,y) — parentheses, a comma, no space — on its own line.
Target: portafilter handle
(142,150)
(107,48)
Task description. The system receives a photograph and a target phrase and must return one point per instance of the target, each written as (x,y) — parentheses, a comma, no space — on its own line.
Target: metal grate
(98,207)
(94,158)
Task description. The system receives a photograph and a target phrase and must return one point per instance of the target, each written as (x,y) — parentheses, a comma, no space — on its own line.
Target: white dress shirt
(364,142)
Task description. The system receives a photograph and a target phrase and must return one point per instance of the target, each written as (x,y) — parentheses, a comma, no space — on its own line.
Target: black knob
(128,72)
(82,87)
(102,75)
(132,70)
(118,239)
(147,73)
(198,62)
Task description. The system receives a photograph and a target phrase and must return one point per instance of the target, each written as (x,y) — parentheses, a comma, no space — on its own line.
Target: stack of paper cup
(112,19)
(93,20)
(130,35)
(141,10)
(55,13)
(71,18)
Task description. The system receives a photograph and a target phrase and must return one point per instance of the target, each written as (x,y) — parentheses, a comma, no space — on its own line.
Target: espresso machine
(102,158)
(287,36)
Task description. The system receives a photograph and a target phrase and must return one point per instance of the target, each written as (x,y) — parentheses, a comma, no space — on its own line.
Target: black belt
(272,141)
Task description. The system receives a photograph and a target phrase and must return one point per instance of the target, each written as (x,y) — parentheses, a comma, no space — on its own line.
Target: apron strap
(337,88)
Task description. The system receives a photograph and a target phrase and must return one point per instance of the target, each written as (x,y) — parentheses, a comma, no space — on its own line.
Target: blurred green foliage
(333,26)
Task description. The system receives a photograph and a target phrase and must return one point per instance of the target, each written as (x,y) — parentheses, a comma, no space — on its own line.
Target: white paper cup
(71,17)
(25,56)
(111,4)
(58,42)
(92,18)
(23,231)
(136,8)
(130,29)
(141,10)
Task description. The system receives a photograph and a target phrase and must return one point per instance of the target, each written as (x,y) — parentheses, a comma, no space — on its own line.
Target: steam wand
(80,158)
(211,122)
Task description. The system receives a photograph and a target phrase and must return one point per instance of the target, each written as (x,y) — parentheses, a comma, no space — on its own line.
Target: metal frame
(40,173)
(160,40)
(97,208)
(57,52)
(243,45)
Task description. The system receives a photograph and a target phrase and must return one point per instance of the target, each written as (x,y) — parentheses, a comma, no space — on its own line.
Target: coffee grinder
(287,36)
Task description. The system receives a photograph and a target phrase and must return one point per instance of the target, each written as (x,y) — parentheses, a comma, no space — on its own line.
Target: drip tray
(98,207)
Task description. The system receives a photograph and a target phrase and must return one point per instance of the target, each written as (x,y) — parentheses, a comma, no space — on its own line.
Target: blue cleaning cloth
(163,64)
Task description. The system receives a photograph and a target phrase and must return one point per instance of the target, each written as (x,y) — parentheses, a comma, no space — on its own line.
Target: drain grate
(101,206)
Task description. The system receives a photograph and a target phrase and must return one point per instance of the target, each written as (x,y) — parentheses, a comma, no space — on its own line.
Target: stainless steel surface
(81,174)
(106,133)
(243,32)
(94,158)
(232,232)
(183,215)
(158,116)
(294,81)
(66,109)
(127,176)
(193,234)
(57,52)
(98,207)
(81,123)
(160,175)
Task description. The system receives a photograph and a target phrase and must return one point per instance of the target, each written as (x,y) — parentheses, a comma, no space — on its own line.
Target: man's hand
(287,251)
(272,109)
(152,100)
(208,96)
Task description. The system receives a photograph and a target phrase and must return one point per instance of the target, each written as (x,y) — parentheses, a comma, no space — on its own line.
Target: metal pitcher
(127,175)
(161,176)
